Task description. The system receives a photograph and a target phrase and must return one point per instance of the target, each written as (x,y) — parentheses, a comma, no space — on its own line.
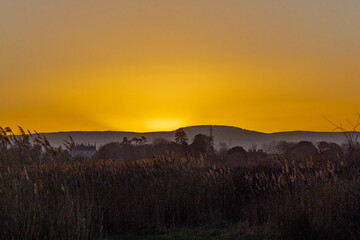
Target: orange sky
(158,65)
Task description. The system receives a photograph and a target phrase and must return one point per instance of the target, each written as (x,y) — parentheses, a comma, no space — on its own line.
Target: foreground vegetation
(85,200)
(224,232)
(174,196)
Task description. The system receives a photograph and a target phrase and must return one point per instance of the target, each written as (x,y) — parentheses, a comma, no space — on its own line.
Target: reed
(58,197)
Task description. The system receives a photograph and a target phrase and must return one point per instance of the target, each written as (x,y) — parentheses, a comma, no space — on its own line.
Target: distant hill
(232,136)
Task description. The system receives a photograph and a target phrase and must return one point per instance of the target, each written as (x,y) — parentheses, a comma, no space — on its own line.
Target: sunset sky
(144,65)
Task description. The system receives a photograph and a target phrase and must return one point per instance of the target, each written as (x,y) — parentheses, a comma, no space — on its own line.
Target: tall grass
(85,200)
(61,198)
(307,201)
(81,200)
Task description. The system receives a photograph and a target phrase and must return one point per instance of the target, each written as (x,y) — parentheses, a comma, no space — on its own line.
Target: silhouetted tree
(202,144)
(330,152)
(142,140)
(125,141)
(237,149)
(301,152)
(136,140)
(352,137)
(180,137)
(282,146)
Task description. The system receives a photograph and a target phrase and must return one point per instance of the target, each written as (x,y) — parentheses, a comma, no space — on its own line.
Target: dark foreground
(240,232)
(95,199)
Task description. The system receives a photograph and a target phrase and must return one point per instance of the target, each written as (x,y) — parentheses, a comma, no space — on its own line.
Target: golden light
(126,66)
(164,124)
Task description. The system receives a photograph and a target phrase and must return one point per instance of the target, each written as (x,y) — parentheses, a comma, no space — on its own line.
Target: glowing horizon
(158,65)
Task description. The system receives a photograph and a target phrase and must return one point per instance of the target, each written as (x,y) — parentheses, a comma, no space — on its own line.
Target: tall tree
(180,137)
(202,144)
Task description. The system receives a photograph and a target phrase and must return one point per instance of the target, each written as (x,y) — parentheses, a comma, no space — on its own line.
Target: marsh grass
(62,198)
(80,200)
(84,200)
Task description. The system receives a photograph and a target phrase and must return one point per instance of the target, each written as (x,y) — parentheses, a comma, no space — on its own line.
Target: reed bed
(92,199)
(83,200)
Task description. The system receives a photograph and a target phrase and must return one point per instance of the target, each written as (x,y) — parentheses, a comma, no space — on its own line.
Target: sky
(150,65)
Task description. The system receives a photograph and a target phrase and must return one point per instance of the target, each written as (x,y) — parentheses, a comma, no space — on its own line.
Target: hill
(232,136)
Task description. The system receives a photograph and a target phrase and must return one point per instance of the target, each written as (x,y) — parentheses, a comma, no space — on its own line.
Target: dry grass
(83,200)
(79,200)
(61,198)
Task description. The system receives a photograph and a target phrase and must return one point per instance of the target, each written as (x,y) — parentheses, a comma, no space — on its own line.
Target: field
(93,199)
(174,197)
(224,232)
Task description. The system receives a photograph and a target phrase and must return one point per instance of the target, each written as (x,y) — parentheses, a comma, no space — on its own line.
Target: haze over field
(159,65)
(231,136)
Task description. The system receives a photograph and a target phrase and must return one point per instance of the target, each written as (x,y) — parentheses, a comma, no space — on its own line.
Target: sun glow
(160,65)
(164,124)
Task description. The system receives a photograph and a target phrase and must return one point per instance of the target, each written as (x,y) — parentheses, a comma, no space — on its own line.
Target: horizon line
(199,125)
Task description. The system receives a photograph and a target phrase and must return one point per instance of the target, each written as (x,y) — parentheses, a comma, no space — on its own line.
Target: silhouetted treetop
(180,136)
